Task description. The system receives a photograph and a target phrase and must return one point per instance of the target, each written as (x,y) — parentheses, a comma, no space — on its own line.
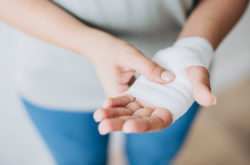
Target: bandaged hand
(149,106)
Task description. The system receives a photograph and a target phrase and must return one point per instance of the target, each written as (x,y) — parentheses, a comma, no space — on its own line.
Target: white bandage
(177,96)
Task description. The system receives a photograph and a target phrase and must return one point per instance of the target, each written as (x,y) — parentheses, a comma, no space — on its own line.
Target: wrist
(195,42)
(95,43)
(186,52)
(88,42)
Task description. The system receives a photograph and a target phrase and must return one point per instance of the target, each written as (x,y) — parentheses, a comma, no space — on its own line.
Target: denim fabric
(73,138)
(159,148)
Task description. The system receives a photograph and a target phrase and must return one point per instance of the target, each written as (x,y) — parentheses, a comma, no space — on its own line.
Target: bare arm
(114,59)
(46,21)
(213,19)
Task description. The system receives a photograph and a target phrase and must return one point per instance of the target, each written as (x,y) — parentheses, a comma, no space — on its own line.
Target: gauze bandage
(176,96)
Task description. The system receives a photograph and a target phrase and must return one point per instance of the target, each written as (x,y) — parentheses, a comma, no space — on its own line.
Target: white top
(55,78)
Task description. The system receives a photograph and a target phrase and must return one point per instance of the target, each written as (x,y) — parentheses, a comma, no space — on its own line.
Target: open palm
(129,115)
(125,113)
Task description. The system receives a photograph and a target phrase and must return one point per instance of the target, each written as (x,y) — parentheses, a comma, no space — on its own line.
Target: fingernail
(97,119)
(106,104)
(97,116)
(127,130)
(215,100)
(103,131)
(167,75)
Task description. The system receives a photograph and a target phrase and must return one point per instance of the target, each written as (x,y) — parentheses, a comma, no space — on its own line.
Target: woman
(60,90)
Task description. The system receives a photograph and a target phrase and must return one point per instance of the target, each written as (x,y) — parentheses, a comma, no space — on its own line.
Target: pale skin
(211,20)
(116,61)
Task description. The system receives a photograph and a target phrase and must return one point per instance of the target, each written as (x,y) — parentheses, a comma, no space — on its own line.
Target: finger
(157,120)
(151,70)
(120,101)
(145,104)
(162,115)
(134,106)
(200,80)
(110,125)
(143,112)
(105,113)
(138,125)
(113,124)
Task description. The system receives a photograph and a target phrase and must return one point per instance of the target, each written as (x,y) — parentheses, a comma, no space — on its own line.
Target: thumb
(151,70)
(200,80)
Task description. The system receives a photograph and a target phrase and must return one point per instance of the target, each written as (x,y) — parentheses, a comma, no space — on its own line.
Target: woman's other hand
(116,61)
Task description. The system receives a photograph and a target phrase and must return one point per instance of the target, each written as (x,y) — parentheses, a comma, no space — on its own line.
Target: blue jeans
(73,138)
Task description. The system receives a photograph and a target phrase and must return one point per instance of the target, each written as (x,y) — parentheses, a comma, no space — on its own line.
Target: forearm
(48,22)
(213,19)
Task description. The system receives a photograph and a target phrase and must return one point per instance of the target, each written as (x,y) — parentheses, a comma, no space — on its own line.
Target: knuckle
(152,68)
(108,124)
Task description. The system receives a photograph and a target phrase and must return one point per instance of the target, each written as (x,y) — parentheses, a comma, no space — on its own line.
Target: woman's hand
(116,61)
(127,114)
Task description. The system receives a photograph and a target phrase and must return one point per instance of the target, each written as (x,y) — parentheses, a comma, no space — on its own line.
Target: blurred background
(220,134)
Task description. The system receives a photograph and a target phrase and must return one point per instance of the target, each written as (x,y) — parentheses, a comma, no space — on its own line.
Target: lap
(72,137)
(159,148)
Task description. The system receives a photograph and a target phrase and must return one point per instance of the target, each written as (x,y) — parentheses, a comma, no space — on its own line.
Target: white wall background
(19,141)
